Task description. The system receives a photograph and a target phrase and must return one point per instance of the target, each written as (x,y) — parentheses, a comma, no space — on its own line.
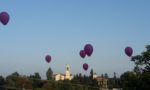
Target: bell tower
(68,76)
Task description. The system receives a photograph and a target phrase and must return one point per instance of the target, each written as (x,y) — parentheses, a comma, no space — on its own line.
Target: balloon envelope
(82,53)
(4,18)
(128,51)
(88,48)
(48,58)
(85,66)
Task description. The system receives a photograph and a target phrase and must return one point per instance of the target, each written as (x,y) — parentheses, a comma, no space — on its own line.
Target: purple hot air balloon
(48,58)
(128,51)
(88,48)
(82,53)
(4,18)
(85,66)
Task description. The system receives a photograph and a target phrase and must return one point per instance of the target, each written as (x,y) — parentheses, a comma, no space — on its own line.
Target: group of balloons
(88,50)
(4,18)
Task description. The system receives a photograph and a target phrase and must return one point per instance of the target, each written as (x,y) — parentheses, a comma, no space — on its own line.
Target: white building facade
(66,76)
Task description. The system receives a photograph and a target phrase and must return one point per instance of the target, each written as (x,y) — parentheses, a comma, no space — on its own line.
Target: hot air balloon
(128,51)
(85,66)
(82,53)
(4,18)
(48,58)
(88,48)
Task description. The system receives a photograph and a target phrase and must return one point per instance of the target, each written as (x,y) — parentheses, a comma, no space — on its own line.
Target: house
(102,82)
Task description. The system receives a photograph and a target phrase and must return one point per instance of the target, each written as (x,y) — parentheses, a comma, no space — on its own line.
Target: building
(66,76)
(102,82)
(94,76)
(59,77)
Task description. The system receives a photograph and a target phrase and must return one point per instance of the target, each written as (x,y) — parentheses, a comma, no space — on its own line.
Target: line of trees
(15,81)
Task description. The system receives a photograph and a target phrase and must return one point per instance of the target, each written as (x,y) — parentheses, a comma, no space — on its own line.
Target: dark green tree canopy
(139,79)
(15,74)
(143,61)
(2,80)
(106,75)
(49,74)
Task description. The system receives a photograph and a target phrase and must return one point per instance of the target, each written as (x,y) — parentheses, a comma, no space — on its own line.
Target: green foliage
(12,79)
(47,86)
(114,82)
(129,81)
(102,75)
(106,76)
(140,78)
(17,81)
(143,61)
(36,80)
(143,83)
(36,76)
(65,86)
(49,74)
(2,80)
(15,74)
(91,74)
(85,80)
(135,81)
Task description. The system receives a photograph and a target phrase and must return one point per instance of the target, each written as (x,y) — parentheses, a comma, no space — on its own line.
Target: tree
(18,81)
(91,77)
(49,74)
(12,79)
(102,75)
(15,74)
(142,68)
(143,61)
(80,78)
(92,81)
(37,75)
(47,86)
(85,79)
(36,80)
(114,82)
(91,74)
(137,69)
(106,75)
(139,79)
(2,80)
(129,81)
(115,75)
(75,79)
(111,83)
(144,81)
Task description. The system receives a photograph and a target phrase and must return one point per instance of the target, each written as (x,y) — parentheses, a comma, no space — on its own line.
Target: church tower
(68,74)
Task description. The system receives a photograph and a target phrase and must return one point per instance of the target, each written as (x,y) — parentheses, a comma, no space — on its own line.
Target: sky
(61,28)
